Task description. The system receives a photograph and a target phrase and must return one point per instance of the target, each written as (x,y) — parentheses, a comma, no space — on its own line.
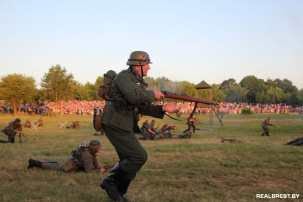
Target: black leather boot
(122,187)
(110,183)
(33,163)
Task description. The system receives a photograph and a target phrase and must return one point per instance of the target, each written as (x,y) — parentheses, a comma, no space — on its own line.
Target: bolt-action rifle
(21,133)
(214,106)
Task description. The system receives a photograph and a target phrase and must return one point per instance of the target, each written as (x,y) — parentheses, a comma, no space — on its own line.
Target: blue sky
(187,40)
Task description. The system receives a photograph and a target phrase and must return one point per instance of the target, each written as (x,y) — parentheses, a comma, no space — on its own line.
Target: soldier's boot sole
(111,190)
(125,199)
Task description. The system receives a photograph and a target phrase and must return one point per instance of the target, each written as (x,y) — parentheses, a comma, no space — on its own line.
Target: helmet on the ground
(138,58)
(94,144)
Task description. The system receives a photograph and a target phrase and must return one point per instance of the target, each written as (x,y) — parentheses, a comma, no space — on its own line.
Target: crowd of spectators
(87,108)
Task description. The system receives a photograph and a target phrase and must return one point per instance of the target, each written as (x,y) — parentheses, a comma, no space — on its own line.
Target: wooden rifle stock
(186,98)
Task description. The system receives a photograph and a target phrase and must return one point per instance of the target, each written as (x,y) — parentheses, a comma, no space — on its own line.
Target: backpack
(103,91)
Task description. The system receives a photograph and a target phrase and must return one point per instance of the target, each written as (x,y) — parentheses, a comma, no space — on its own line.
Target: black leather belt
(111,103)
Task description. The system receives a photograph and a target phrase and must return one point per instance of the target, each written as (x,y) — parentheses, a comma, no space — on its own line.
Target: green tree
(262,97)
(227,84)
(92,91)
(218,95)
(16,88)
(253,85)
(300,97)
(236,94)
(271,83)
(98,83)
(57,85)
(186,88)
(79,91)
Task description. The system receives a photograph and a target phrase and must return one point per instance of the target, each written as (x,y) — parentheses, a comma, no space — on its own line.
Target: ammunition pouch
(69,165)
(121,105)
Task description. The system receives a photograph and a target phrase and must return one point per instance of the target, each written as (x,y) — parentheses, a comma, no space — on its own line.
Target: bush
(246,111)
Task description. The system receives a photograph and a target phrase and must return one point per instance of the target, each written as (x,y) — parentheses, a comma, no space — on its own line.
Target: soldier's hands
(170,107)
(102,170)
(158,94)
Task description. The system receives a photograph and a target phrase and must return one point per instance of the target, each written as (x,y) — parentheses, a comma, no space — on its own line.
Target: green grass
(197,169)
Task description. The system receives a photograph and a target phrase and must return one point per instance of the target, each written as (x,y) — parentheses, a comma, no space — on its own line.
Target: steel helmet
(138,58)
(94,144)
(17,120)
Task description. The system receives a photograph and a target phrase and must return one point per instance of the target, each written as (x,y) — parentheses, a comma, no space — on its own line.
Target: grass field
(197,169)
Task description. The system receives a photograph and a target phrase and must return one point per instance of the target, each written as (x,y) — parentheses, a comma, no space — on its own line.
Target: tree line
(58,85)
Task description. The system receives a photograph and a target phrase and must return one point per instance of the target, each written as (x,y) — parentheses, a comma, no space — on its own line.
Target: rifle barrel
(187,98)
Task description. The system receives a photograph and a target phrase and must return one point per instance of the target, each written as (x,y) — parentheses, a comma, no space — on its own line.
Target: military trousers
(266,129)
(11,139)
(131,154)
(52,166)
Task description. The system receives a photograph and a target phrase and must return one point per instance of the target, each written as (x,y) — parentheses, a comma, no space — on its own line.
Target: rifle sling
(192,113)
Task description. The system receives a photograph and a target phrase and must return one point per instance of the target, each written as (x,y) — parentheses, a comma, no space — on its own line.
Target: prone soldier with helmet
(84,158)
(27,124)
(127,98)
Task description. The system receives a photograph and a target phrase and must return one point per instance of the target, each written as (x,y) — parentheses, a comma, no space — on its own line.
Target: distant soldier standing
(191,123)
(265,127)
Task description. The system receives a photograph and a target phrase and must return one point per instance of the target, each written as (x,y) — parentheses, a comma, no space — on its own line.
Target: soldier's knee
(143,157)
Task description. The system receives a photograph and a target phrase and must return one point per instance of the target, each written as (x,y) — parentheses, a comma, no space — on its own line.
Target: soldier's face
(145,69)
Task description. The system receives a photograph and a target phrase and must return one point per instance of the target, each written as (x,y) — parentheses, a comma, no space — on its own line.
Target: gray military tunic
(120,121)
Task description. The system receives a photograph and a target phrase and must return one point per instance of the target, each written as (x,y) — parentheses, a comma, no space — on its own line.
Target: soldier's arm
(131,90)
(88,164)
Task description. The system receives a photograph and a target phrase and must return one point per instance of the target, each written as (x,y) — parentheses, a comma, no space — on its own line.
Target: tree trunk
(56,106)
(14,107)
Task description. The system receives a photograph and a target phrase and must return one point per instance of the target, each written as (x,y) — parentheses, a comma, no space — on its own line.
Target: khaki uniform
(265,127)
(148,135)
(9,131)
(40,122)
(191,124)
(128,98)
(86,162)
(27,124)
